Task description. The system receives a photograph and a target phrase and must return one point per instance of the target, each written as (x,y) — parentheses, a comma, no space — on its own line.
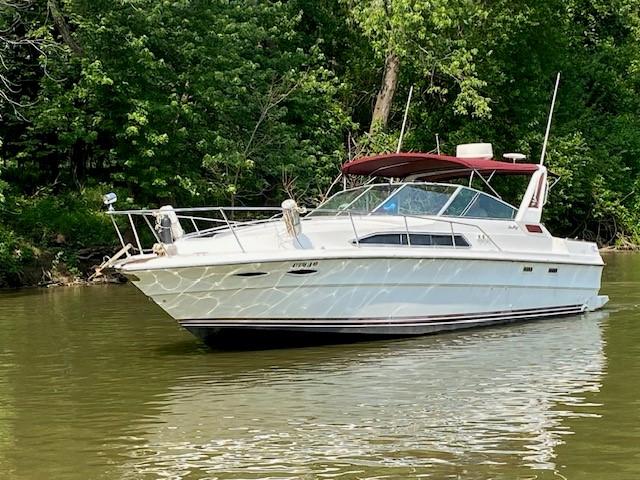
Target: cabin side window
(415,239)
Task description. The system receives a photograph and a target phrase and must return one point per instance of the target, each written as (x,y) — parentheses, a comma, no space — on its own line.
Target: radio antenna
(546,135)
(404,120)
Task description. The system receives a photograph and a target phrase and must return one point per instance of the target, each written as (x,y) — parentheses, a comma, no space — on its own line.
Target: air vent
(527,269)
(553,270)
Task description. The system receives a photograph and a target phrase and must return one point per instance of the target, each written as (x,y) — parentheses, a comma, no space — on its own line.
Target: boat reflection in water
(486,402)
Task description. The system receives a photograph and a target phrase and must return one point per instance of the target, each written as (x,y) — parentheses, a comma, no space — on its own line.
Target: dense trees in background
(246,102)
(172,99)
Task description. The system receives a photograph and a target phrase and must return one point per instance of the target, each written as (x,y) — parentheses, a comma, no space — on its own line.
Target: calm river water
(97,383)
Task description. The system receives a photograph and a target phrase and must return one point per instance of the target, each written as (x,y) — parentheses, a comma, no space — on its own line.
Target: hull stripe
(386,322)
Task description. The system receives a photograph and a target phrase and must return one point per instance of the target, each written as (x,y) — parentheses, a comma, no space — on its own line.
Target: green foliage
(70,220)
(181,101)
(431,39)
(15,255)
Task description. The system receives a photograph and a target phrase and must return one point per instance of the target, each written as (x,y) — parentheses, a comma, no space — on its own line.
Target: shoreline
(55,276)
(626,249)
(106,279)
(59,269)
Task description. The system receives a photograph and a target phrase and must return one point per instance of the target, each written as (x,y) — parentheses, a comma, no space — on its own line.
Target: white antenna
(546,135)
(438,143)
(404,120)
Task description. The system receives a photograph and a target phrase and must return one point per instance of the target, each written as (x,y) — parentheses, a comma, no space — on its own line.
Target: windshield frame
(319,211)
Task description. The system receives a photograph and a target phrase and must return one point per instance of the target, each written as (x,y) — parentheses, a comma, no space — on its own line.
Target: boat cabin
(418,194)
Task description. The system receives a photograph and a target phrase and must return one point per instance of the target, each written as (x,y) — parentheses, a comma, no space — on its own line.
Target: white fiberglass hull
(381,296)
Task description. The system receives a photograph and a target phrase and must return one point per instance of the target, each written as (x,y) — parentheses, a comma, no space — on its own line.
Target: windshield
(417,199)
(361,200)
(339,202)
(473,204)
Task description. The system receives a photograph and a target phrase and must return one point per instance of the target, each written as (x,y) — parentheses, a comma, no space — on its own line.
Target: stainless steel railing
(222,222)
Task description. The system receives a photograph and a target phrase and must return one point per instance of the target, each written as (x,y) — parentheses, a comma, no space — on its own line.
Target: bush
(44,233)
(74,220)
(15,255)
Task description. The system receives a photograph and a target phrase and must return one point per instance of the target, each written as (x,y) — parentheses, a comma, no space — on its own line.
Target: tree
(430,38)
(181,101)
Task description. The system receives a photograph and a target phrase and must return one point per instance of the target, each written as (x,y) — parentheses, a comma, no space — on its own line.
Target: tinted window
(417,239)
(383,239)
(485,206)
(457,207)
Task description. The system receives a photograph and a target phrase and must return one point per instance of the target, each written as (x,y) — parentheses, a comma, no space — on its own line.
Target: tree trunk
(63,27)
(387,90)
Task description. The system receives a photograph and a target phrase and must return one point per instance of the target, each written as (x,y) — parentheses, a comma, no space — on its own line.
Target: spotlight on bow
(109,199)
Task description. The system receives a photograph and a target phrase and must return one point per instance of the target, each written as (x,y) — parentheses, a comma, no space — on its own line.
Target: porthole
(250,274)
(305,271)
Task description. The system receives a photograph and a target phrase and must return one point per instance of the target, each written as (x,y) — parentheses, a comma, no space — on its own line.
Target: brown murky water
(97,383)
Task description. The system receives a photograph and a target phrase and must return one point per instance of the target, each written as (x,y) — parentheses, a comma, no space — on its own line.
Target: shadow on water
(245,358)
(242,339)
(183,347)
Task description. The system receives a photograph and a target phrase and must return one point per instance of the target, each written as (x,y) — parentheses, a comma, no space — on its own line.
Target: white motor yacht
(409,255)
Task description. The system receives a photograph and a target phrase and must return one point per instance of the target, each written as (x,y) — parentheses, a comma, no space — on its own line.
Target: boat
(414,250)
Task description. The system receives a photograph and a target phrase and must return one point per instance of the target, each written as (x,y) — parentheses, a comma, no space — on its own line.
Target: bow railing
(193,222)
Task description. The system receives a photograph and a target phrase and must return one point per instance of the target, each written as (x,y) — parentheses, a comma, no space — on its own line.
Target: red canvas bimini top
(436,167)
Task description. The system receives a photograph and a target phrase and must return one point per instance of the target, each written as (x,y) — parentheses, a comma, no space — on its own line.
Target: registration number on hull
(304,264)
